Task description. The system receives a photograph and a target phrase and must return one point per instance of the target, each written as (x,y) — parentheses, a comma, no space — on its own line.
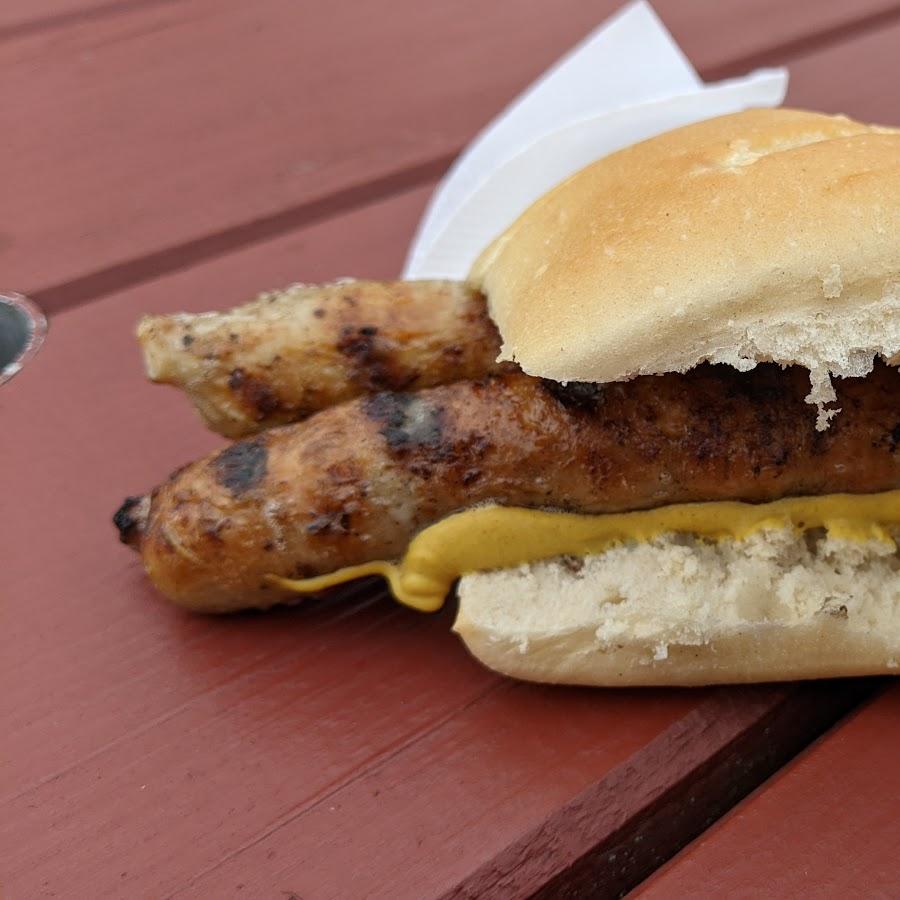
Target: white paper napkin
(625,82)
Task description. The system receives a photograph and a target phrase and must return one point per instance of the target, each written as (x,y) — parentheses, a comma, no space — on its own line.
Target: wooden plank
(770,32)
(148,752)
(825,826)
(519,818)
(147,141)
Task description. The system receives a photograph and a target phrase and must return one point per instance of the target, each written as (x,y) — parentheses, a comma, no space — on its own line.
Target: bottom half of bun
(777,605)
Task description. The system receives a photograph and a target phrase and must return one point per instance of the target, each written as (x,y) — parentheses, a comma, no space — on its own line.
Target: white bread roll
(768,235)
(778,605)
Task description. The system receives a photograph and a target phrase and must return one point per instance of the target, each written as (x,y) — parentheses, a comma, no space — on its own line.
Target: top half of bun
(765,235)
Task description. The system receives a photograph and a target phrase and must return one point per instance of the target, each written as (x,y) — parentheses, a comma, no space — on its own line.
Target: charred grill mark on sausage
(242,466)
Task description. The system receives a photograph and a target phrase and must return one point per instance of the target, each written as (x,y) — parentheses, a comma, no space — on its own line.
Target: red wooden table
(162,155)
(825,826)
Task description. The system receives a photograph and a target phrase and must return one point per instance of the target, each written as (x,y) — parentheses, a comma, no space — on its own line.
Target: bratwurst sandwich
(675,461)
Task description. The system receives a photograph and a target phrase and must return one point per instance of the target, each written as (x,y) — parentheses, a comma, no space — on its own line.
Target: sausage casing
(358,481)
(289,354)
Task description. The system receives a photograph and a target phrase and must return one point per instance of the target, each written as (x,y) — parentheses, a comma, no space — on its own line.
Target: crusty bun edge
(777,606)
(768,235)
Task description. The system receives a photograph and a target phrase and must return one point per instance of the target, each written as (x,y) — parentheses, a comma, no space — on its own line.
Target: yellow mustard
(497,537)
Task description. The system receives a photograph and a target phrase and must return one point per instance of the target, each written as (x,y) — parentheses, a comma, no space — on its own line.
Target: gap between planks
(797,48)
(54,22)
(132,272)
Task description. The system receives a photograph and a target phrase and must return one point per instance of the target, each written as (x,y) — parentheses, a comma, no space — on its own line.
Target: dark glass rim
(22,331)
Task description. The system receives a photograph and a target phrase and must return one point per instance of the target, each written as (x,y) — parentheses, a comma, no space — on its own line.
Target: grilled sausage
(356,482)
(289,354)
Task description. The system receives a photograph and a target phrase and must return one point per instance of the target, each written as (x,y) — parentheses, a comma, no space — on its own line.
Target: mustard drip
(497,537)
